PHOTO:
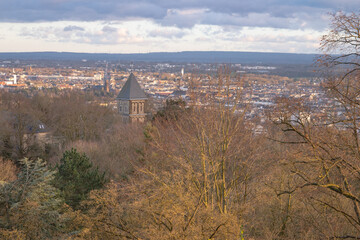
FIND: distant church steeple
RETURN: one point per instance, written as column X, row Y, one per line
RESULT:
column 106, row 79
column 131, row 101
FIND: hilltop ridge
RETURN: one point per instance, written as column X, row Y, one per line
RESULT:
column 186, row 56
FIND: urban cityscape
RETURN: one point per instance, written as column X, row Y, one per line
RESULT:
column 260, row 85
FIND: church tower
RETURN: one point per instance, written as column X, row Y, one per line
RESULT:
column 131, row 101
column 106, row 79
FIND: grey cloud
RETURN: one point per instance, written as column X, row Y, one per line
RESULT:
column 77, row 10
column 109, row 29
column 252, row 20
column 104, row 35
column 181, row 19
column 73, row 28
column 264, row 13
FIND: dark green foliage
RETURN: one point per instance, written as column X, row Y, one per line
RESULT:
column 7, row 148
column 76, row 177
column 172, row 110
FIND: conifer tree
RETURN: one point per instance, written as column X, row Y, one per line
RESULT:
column 31, row 208
column 76, row 177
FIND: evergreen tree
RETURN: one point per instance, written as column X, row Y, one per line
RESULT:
column 76, row 177
column 31, row 208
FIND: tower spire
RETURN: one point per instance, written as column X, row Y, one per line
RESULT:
column 131, row 101
column 106, row 79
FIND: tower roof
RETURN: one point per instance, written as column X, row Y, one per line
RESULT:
column 131, row 90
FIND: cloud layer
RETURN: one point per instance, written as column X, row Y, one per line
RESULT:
column 166, row 25
column 180, row 13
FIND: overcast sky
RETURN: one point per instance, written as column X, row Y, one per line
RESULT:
column 133, row 26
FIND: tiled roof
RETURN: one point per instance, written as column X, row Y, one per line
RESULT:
column 131, row 90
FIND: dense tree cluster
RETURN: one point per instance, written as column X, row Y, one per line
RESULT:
column 39, row 124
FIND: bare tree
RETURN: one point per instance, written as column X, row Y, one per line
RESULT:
column 326, row 169
column 193, row 181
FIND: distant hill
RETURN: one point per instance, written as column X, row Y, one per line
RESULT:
column 178, row 57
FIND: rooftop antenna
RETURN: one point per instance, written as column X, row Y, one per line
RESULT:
column 131, row 66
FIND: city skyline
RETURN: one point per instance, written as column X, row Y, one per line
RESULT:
column 166, row 26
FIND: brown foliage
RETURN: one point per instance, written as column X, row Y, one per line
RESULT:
column 153, row 210
column 67, row 116
column 116, row 151
column 7, row 171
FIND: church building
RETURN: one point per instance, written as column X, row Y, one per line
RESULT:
column 131, row 101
